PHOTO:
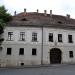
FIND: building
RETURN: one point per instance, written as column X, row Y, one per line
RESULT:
column 34, row 38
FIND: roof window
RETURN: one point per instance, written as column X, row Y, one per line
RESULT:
column 24, row 19
column 59, row 22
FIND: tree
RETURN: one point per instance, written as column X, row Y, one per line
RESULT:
column 4, row 18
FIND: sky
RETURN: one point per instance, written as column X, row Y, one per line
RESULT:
column 58, row 7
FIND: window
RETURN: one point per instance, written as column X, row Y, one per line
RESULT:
column 50, row 37
column 70, row 39
column 8, row 51
column 21, row 51
column 10, row 36
column 71, row 54
column 59, row 37
column 22, row 36
column 1, row 48
column 22, row 64
column 59, row 22
column 34, row 51
column 24, row 19
column 34, row 37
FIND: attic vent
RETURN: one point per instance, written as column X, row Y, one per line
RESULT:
column 24, row 19
column 59, row 22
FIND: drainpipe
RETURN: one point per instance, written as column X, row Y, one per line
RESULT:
column 42, row 48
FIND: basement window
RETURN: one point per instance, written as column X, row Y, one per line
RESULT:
column 22, row 64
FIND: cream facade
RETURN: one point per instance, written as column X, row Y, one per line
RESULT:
column 41, row 57
column 38, row 38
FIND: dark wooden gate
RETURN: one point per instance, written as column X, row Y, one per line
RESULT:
column 55, row 56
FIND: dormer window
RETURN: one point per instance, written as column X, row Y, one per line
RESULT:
column 24, row 19
column 59, row 22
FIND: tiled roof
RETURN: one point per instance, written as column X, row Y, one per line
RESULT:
column 40, row 19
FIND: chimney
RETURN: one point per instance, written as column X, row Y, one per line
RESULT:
column 68, row 16
column 37, row 11
column 24, row 10
column 50, row 12
column 45, row 12
column 15, row 13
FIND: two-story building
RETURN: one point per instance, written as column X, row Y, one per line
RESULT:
column 33, row 38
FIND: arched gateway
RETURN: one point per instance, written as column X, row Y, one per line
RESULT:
column 55, row 56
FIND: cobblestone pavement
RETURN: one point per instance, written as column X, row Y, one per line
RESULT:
column 44, row 70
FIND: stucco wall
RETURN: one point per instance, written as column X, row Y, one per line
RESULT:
column 64, row 46
column 28, row 59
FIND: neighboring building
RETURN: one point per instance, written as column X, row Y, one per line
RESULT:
column 38, row 38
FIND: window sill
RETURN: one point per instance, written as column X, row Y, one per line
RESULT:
column 34, row 41
column 22, row 40
column 70, row 42
column 8, row 55
column 71, row 57
column 9, row 40
column 21, row 55
column 34, row 55
column 60, row 42
column 50, row 41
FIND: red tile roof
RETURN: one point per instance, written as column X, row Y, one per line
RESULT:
column 39, row 19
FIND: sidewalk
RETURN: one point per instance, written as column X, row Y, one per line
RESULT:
column 39, row 66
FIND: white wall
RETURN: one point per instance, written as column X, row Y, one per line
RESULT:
column 64, row 46
column 15, row 59
column 28, row 34
column 27, row 58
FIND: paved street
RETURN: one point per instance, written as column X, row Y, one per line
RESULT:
column 46, row 70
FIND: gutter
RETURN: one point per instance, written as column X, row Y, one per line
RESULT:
column 42, row 47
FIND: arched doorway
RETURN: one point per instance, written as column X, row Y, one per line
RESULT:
column 55, row 56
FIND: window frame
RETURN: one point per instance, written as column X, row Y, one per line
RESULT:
column 10, row 36
column 9, row 51
column 21, row 51
column 50, row 37
column 59, row 37
column 71, row 54
column 34, row 51
column 70, row 39
column 34, row 37
column 22, row 36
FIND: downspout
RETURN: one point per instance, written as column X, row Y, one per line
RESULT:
column 42, row 48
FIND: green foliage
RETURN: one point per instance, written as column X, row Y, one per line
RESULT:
column 4, row 17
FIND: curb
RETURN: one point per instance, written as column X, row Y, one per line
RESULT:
column 37, row 66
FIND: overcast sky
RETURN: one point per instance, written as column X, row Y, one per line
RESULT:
column 59, row 7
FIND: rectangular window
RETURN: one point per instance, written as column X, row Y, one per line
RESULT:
column 1, row 48
column 34, row 51
column 10, row 36
column 34, row 37
column 71, row 54
column 22, row 36
column 8, row 51
column 70, row 39
column 21, row 51
column 50, row 37
column 59, row 37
